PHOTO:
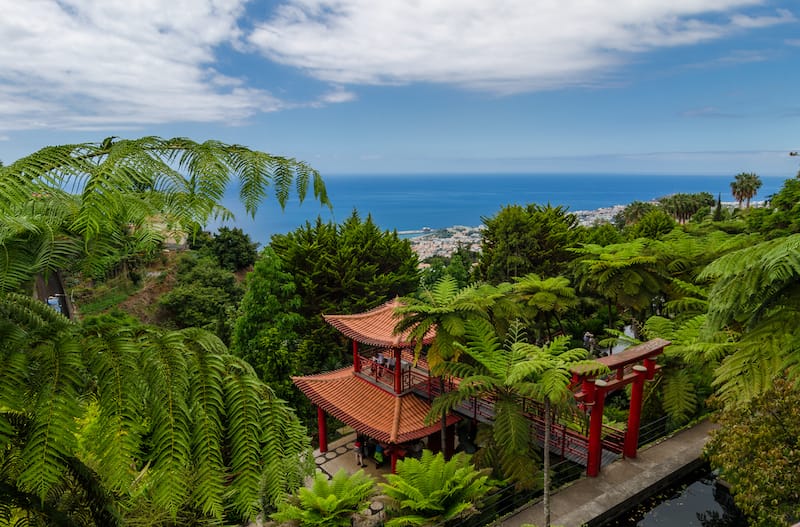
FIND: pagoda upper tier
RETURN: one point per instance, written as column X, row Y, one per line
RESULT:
column 376, row 327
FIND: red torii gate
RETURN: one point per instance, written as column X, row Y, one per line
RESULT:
column 624, row 369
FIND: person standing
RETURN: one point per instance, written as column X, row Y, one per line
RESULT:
column 359, row 446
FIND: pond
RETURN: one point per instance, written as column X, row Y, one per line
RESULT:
column 700, row 500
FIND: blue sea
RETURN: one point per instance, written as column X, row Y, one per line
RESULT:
column 412, row 202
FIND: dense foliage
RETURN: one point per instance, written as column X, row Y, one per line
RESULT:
column 320, row 268
column 107, row 421
column 520, row 240
column 758, row 449
column 333, row 502
column 233, row 248
column 102, row 207
column 432, row 490
column 204, row 296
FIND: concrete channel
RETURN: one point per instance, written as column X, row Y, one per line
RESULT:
column 591, row 502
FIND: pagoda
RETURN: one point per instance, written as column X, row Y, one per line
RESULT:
column 386, row 394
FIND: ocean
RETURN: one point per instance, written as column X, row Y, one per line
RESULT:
column 413, row 202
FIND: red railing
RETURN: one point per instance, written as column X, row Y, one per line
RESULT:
column 383, row 375
column 565, row 439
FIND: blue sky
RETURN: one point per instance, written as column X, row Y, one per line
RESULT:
column 366, row 86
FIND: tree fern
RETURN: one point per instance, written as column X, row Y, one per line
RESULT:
column 756, row 296
column 168, row 422
column 179, row 179
column 430, row 490
column 328, row 503
column 680, row 399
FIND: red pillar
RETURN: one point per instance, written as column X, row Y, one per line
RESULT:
column 393, row 457
column 596, row 429
column 650, row 364
column 635, row 413
column 323, row 430
column 356, row 358
column 398, row 379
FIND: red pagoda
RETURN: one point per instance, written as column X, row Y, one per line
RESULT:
column 386, row 394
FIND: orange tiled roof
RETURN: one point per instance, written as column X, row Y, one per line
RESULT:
column 375, row 327
column 377, row 413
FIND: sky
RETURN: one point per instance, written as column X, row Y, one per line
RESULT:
column 428, row 86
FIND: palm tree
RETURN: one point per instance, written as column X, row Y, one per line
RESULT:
column 745, row 186
column 328, row 503
column 636, row 211
column 432, row 491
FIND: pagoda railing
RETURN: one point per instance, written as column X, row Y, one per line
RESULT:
column 383, row 375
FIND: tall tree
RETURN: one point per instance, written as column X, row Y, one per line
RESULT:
column 635, row 211
column 444, row 308
column 745, row 186
column 509, row 372
column 624, row 274
column 521, row 240
column 268, row 330
column 683, row 206
column 338, row 268
column 543, row 301
column 551, row 366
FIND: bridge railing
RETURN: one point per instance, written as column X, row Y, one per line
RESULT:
column 653, row 430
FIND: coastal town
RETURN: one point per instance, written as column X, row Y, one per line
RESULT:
column 444, row 242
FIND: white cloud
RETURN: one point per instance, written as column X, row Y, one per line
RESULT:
column 122, row 64
column 503, row 46
column 338, row 95
column 81, row 64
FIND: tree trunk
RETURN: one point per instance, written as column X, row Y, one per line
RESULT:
column 546, row 476
column 444, row 421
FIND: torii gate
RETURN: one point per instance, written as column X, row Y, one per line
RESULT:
column 625, row 369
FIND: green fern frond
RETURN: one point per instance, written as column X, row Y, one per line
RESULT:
column 680, row 396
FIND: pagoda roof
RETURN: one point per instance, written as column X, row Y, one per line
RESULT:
column 376, row 327
column 381, row 415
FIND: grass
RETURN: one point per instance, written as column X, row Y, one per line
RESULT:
column 105, row 298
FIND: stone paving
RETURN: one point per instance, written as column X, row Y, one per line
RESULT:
column 341, row 455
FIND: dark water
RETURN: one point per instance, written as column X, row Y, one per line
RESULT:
column 698, row 501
